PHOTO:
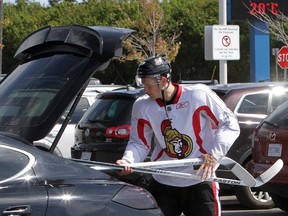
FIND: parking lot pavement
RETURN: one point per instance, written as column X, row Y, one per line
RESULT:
column 232, row 207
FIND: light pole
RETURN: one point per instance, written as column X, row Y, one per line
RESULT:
column 223, row 21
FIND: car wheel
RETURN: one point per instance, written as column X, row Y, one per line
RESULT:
column 280, row 202
column 254, row 199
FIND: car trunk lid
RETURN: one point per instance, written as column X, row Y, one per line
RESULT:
column 54, row 64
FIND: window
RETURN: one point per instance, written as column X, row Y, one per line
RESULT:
column 28, row 96
column 279, row 98
column 254, row 104
column 113, row 109
column 79, row 111
column 11, row 162
column 279, row 117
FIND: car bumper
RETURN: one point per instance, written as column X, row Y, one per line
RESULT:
column 104, row 152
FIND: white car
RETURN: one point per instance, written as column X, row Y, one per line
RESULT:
column 66, row 141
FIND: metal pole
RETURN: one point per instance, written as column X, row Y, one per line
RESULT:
column 276, row 68
column 223, row 21
column 275, row 53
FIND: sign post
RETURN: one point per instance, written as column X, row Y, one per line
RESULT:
column 223, row 73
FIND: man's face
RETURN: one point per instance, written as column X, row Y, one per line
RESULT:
column 151, row 87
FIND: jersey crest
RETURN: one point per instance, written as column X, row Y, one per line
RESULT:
column 177, row 145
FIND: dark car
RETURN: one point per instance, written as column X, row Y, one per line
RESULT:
column 104, row 130
column 54, row 64
column 251, row 102
column 270, row 142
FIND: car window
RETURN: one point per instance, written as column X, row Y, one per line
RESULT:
column 79, row 111
column 254, row 104
column 116, row 109
column 279, row 117
column 29, row 95
column 279, row 98
column 11, row 162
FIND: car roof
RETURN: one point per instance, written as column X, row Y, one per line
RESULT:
column 238, row 86
column 129, row 91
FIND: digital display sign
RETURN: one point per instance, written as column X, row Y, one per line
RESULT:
column 246, row 9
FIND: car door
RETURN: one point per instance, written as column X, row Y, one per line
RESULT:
column 19, row 192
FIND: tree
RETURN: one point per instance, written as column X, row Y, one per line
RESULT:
column 174, row 28
column 150, row 38
column 276, row 23
column 275, row 20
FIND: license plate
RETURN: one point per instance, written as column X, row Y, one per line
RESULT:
column 275, row 150
column 86, row 155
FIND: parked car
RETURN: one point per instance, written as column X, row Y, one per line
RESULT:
column 251, row 102
column 53, row 66
column 103, row 131
column 66, row 140
column 270, row 142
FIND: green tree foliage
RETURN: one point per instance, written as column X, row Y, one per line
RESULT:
column 165, row 25
column 21, row 19
column 194, row 16
column 151, row 37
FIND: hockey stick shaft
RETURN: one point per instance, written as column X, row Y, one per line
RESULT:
column 175, row 174
column 259, row 181
column 239, row 171
column 109, row 166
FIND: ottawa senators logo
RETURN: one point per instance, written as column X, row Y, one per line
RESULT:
column 177, row 145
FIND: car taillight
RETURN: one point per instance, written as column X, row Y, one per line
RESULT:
column 120, row 131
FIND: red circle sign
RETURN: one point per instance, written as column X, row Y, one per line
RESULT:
column 282, row 57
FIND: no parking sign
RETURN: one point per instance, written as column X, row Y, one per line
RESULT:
column 222, row 42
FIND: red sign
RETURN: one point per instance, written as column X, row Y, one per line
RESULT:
column 282, row 58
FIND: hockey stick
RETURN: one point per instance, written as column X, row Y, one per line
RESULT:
column 259, row 181
column 239, row 171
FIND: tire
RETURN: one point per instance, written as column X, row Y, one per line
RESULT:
column 280, row 202
column 253, row 199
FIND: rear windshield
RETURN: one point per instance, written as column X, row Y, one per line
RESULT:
column 79, row 111
column 34, row 88
column 279, row 117
column 110, row 109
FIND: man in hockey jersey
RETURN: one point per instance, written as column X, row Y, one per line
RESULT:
column 187, row 122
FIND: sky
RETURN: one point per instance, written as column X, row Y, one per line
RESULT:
column 42, row 2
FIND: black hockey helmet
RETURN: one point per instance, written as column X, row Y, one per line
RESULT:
column 154, row 66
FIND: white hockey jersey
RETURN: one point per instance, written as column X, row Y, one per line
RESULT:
column 196, row 122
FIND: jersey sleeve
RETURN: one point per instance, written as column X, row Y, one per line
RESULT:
column 224, row 123
column 141, row 134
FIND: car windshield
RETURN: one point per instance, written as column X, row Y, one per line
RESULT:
column 110, row 109
column 279, row 117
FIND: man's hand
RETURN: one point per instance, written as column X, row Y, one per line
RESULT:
column 208, row 166
column 126, row 169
